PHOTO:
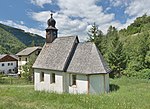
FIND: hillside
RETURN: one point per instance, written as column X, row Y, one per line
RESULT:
column 9, row 43
column 140, row 25
column 127, row 51
column 12, row 40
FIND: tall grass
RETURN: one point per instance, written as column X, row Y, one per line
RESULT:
column 12, row 80
column 126, row 93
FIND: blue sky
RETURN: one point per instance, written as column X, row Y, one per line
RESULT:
column 74, row 17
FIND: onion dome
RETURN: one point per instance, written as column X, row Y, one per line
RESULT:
column 51, row 21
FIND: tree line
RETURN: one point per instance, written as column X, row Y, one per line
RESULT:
column 127, row 51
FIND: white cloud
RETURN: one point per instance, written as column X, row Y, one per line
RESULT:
column 86, row 9
column 128, row 22
column 107, row 9
column 26, row 29
column 76, row 16
column 138, row 8
column 41, row 16
column 41, row 2
column 21, row 22
column 84, row 12
column 117, row 3
column 65, row 25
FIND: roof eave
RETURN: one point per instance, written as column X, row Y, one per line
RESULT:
column 47, row 69
column 89, row 73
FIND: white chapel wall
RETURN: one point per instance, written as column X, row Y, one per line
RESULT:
column 96, row 84
column 107, row 82
column 81, row 84
column 46, row 85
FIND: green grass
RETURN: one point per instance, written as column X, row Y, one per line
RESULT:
column 127, row 94
column 12, row 80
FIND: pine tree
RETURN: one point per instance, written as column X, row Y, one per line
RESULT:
column 116, row 57
column 96, row 36
column 112, row 31
column 94, row 33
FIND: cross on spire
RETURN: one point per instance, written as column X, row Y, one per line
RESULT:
column 51, row 14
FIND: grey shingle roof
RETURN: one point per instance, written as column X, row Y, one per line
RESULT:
column 27, row 51
column 87, row 60
column 64, row 54
column 55, row 55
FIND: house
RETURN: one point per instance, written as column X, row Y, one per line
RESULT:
column 66, row 65
column 8, row 64
column 25, row 55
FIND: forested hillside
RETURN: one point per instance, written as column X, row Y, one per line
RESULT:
column 8, row 43
column 127, row 51
column 12, row 40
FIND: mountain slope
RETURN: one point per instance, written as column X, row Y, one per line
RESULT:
column 26, row 38
column 8, row 43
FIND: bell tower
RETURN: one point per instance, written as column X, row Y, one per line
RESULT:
column 51, row 30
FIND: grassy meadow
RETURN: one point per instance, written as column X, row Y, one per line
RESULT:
column 126, row 93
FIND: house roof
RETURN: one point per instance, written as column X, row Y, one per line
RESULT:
column 2, row 55
column 7, row 57
column 14, row 56
column 55, row 55
column 28, row 51
column 87, row 60
column 68, row 55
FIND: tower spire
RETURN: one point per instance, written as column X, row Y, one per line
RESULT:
column 51, row 15
column 51, row 30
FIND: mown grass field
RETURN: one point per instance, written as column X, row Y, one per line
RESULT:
column 126, row 93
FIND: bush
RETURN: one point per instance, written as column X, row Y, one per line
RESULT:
column 129, row 73
column 142, row 74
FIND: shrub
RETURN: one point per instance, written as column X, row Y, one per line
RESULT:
column 142, row 74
